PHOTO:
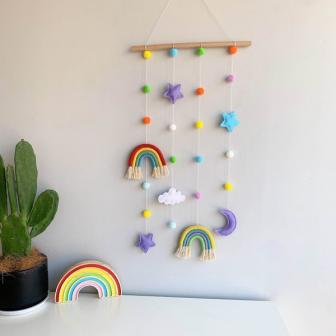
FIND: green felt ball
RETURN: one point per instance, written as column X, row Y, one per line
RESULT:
column 146, row 88
column 200, row 51
column 172, row 159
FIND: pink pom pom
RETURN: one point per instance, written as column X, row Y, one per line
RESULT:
column 230, row 78
column 197, row 195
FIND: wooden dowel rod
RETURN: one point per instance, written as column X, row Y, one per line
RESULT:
column 190, row 45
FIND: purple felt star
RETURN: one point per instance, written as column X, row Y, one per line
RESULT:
column 173, row 92
column 145, row 241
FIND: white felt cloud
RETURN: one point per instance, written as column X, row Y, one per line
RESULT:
column 171, row 197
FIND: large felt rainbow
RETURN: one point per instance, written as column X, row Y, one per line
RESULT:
column 198, row 232
column 88, row 274
column 156, row 158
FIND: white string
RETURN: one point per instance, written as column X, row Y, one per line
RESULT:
column 198, row 145
column 228, row 174
column 157, row 21
column 146, row 139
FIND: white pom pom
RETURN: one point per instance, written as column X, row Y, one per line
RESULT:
column 229, row 154
column 172, row 127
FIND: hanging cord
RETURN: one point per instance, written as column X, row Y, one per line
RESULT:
column 147, row 113
column 198, row 145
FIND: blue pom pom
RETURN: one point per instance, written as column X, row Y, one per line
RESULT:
column 199, row 158
column 172, row 225
column 145, row 185
column 173, row 52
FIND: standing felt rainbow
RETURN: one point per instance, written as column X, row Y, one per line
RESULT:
column 88, row 274
column 200, row 233
column 158, row 162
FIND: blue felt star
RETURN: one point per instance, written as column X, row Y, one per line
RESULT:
column 173, row 92
column 230, row 121
column 145, row 242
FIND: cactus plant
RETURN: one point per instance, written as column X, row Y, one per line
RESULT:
column 22, row 215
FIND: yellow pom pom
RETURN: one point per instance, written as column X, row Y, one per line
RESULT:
column 228, row 186
column 147, row 54
column 147, row 213
column 199, row 124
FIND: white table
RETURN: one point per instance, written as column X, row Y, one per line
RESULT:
column 148, row 316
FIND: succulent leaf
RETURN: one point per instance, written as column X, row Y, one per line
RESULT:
column 43, row 212
column 26, row 176
column 3, row 191
column 15, row 237
column 11, row 187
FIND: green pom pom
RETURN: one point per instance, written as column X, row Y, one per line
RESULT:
column 200, row 51
column 146, row 88
column 172, row 159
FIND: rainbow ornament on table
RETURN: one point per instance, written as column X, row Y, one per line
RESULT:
column 157, row 160
column 205, row 237
column 88, row 274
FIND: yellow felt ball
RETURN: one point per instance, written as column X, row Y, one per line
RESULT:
column 199, row 124
column 228, row 186
column 147, row 54
column 147, row 213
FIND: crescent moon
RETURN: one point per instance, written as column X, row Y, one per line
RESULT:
column 230, row 222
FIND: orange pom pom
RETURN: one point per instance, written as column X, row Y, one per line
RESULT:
column 199, row 91
column 146, row 120
column 232, row 49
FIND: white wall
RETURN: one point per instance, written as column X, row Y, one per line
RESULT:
column 69, row 85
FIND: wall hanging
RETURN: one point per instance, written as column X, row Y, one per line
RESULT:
column 173, row 94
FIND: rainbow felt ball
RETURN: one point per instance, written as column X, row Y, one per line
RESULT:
column 146, row 120
column 147, row 54
column 197, row 195
column 172, row 159
column 172, row 127
column 147, row 213
column 230, row 78
column 171, row 225
column 198, row 158
column 199, row 124
column 146, row 88
column 145, row 185
column 199, row 91
column 232, row 49
column 200, row 51
column 173, row 52
column 228, row 186
column 229, row 154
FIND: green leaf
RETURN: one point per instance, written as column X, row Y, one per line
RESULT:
column 15, row 238
column 3, row 191
column 43, row 212
column 11, row 187
column 26, row 176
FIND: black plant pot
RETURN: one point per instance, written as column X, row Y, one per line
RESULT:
column 24, row 289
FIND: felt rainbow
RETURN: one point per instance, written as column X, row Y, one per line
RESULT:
column 88, row 274
column 155, row 157
column 198, row 232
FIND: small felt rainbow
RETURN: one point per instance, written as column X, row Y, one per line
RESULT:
column 88, row 274
column 156, row 158
column 198, row 232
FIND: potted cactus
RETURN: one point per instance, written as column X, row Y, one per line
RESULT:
column 23, row 270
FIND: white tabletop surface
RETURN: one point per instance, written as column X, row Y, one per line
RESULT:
column 148, row 316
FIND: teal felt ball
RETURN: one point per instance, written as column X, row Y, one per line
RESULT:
column 199, row 158
column 173, row 52
column 145, row 185
column 171, row 225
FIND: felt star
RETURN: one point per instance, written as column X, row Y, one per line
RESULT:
column 145, row 242
column 230, row 121
column 173, row 92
